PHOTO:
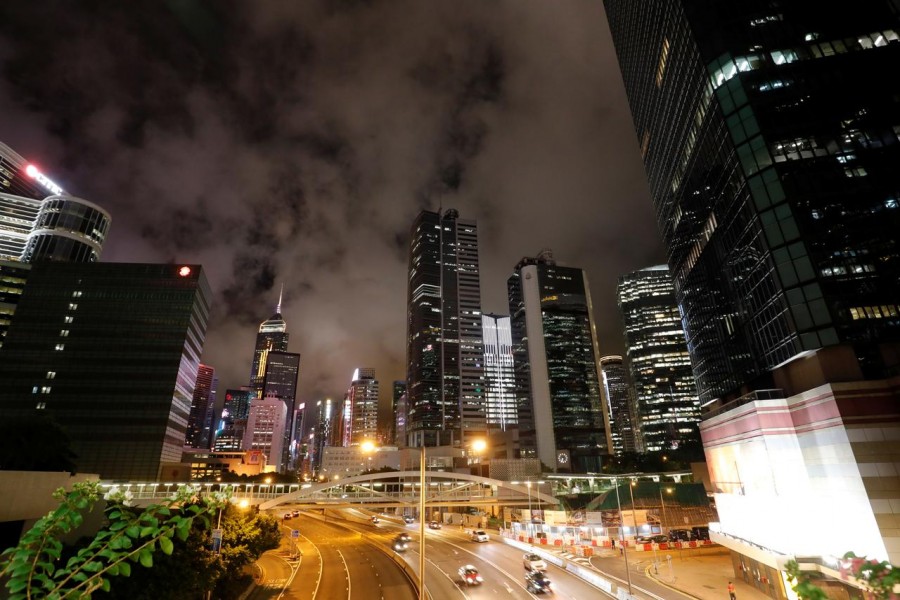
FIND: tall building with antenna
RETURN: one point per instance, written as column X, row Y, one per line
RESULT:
column 272, row 337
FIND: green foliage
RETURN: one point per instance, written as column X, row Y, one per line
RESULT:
column 878, row 577
column 35, row 569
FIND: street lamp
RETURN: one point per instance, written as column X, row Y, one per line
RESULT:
column 622, row 544
column 663, row 504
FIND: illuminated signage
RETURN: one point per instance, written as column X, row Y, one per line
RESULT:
column 32, row 171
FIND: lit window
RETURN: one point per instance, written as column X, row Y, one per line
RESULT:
column 45, row 389
column 60, row 347
column 41, row 405
column 68, row 319
column 76, row 294
column 51, row 374
column 63, row 333
column 663, row 59
column 73, row 306
column 782, row 57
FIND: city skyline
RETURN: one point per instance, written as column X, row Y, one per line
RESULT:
column 451, row 116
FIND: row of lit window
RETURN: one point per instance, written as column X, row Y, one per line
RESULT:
column 874, row 312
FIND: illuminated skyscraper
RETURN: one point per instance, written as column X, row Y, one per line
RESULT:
column 667, row 404
column 200, row 427
column 111, row 351
column 563, row 419
column 266, row 423
column 400, row 413
column 622, row 411
column 39, row 221
column 445, row 374
column 499, row 374
column 272, row 337
column 280, row 381
column 362, row 408
column 230, row 432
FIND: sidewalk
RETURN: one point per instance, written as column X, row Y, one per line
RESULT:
column 704, row 577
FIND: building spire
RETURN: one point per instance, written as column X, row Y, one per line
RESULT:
column 280, row 294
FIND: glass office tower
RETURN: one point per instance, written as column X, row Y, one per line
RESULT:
column 667, row 405
column 499, row 373
column 111, row 351
column 770, row 137
column 200, row 428
column 280, row 381
column 445, row 373
column 271, row 337
column 563, row 419
column 623, row 418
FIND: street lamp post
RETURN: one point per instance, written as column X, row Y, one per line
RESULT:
column 662, row 502
column 422, row 521
column 529, row 522
column 622, row 544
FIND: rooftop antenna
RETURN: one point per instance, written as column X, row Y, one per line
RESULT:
column 280, row 294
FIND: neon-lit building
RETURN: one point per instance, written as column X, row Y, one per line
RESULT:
column 499, row 374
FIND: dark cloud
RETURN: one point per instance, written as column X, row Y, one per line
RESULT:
column 293, row 143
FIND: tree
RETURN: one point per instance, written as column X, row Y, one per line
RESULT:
column 35, row 569
column 35, row 442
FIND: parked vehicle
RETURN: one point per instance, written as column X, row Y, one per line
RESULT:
column 469, row 575
column 680, row 535
column 537, row 582
column 480, row 536
column 652, row 539
column 533, row 562
column 700, row 533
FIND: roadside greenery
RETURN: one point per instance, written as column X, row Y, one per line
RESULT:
column 35, row 568
column 880, row 578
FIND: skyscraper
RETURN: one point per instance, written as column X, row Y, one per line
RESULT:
column 622, row 411
column 499, row 374
column 280, row 381
column 769, row 136
column 398, row 418
column 362, row 403
column 272, row 337
column 111, row 351
column 667, row 404
column 39, row 221
column 200, row 427
column 563, row 419
column 444, row 346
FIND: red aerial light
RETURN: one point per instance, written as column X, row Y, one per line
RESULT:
column 31, row 171
column 184, row 271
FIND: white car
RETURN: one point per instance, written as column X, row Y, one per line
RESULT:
column 479, row 536
column 533, row 562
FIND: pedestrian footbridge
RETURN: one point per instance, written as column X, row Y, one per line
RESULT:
column 375, row 490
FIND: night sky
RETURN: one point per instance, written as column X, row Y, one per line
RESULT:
column 295, row 142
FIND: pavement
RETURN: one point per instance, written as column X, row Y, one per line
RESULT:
column 704, row 577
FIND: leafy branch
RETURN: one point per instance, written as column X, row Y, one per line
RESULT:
column 878, row 578
column 33, row 566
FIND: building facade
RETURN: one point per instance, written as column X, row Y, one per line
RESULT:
column 444, row 347
column 266, row 423
column 769, row 135
column 201, row 421
column 563, row 418
column 233, row 423
column 111, row 352
column 499, row 373
column 623, row 420
column 362, row 408
column 667, row 405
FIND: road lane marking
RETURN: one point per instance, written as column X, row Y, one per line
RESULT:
column 347, row 569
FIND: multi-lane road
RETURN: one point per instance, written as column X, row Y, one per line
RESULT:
column 350, row 557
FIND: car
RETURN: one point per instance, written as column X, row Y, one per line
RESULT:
column 680, row 535
column 408, row 520
column 700, row 533
column 404, row 536
column 287, row 516
column 434, row 525
column 651, row 539
column 469, row 575
column 295, row 513
column 480, row 536
column 533, row 562
column 537, row 582
column 400, row 543
column 375, row 519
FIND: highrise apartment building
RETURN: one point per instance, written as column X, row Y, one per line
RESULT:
column 563, row 419
column 271, row 337
column 499, row 375
column 667, row 405
column 111, row 352
column 266, row 423
column 201, row 424
column 623, row 421
column 445, row 374
column 770, row 138
column 233, row 423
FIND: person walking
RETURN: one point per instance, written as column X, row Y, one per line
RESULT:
column 731, row 595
